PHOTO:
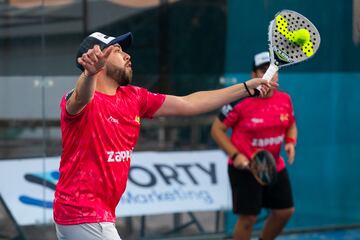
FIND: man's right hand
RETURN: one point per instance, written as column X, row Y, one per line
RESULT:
column 265, row 85
column 94, row 59
column 241, row 161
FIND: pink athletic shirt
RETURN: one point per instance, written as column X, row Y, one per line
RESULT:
column 259, row 123
column 97, row 146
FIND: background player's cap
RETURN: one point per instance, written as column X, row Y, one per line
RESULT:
column 261, row 59
column 103, row 41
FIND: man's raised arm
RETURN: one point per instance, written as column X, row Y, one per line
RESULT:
column 92, row 61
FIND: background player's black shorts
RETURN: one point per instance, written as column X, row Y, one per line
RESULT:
column 248, row 196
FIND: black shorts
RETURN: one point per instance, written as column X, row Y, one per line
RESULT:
column 248, row 196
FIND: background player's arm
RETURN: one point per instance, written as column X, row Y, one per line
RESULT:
column 290, row 141
column 218, row 132
column 206, row 101
column 92, row 61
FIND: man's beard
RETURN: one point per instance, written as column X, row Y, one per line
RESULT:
column 120, row 75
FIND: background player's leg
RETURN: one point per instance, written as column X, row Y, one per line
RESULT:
column 276, row 222
column 244, row 226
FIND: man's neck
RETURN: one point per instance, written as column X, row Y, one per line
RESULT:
column 106, row 84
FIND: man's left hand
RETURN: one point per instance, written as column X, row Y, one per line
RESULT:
column 290, row 152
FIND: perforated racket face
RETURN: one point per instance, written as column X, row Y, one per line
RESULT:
column 263, row 167
column 283, row 50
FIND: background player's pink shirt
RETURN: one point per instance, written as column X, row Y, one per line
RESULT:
column 260, row 123
column 97, row 147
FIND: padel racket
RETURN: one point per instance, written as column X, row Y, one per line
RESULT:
column 292, row 39
column 263, row 167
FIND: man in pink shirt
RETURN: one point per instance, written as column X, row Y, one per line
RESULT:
column 258, row 123
column 100, row 124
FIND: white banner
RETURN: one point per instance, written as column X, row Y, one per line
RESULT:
column 159, row 183
column 176, row 182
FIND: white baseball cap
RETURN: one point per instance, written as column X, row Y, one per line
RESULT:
column 261, row 59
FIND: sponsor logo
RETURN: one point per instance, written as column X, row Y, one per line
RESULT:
column 113, row 120
column 257, row 120
column 263, row 142
column 226, row 109
column 284, row 117
column 119, row 156
column 281, row 55
column 137, row 119
column 102, row 37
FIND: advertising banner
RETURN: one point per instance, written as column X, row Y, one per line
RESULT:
column 159, row 183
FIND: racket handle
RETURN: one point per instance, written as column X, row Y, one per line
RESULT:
column 270, row 72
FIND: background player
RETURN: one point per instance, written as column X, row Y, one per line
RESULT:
column 258, row 123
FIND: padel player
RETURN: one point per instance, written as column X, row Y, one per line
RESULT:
column 100, row 124
column 258, row 123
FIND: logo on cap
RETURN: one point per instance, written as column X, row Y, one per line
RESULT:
column 102, row 37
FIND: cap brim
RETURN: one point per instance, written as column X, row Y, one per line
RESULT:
column 124, row 40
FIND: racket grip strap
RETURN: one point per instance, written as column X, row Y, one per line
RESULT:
column 270, row 72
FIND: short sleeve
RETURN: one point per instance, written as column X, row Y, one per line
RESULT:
column 292, row 119
column 150, row 103
column 64, row 113
column 229, row 115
